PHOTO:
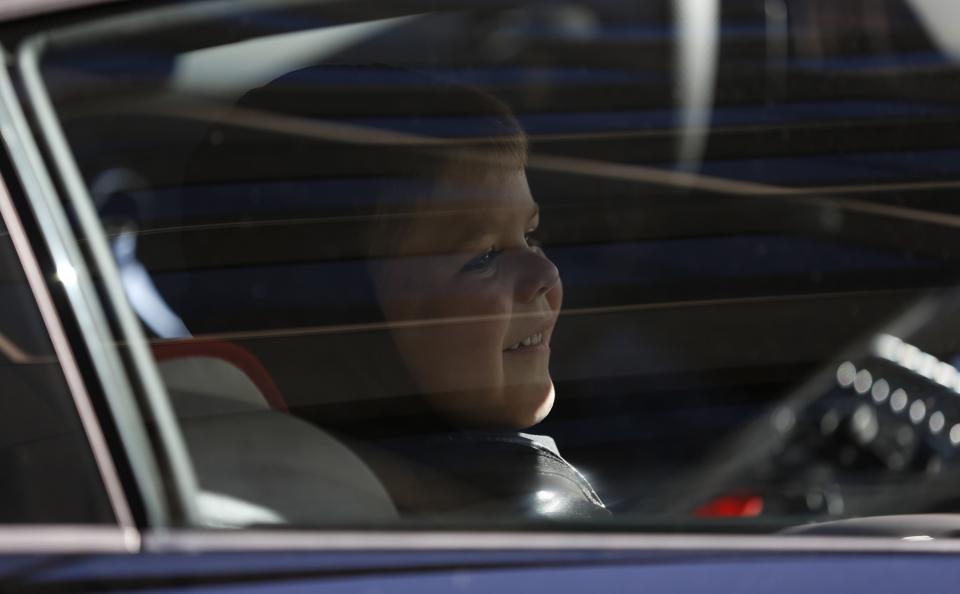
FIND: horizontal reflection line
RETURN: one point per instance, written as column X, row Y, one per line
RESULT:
column 304, row 221
column 811, row 195
column 352, row 133
column 569, row 312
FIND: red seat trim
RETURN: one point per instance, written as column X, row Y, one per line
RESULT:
column 230, row 352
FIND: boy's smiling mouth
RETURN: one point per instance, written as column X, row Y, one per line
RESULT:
column 537, row 340
column 534, row 340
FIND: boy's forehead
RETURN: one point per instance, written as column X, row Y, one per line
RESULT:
column 462, row 213
column 462, row 188
column 437, row 229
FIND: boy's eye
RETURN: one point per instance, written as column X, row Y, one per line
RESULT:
column 483, row 261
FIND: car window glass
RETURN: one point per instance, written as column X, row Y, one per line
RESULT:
column 49, row 475
column 590, row 261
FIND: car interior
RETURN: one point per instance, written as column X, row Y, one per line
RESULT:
column 737, row 227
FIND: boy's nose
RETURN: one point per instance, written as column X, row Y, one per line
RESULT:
column 536, row 275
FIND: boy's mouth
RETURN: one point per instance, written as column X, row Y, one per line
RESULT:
column 532, row 341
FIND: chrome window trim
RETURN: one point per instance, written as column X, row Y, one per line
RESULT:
column 81, row 294
column 66, row 539
column 14, row 9
column 71, row 372
column 265, row 540
column 182, row 479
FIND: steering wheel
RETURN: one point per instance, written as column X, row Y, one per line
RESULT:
column 875, row 432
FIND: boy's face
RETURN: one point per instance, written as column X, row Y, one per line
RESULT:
column 472, row 304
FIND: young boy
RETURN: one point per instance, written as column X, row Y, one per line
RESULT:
column 466, row 298
column 470, row 299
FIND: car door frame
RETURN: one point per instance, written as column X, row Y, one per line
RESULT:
column 46, row 179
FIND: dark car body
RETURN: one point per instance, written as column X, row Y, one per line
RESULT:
column 505, row 571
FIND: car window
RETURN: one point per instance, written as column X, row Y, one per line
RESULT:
column 49, row 474
column 601, row 262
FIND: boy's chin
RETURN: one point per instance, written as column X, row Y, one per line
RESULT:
column 525, row 405
column 507, row 408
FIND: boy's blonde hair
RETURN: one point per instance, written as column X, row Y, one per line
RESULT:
column 442, row 131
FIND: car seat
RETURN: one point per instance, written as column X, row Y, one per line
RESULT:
column 255, row 463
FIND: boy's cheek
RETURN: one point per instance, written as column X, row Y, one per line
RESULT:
column 424, row 298
column 459, row 349
column 486, row 305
